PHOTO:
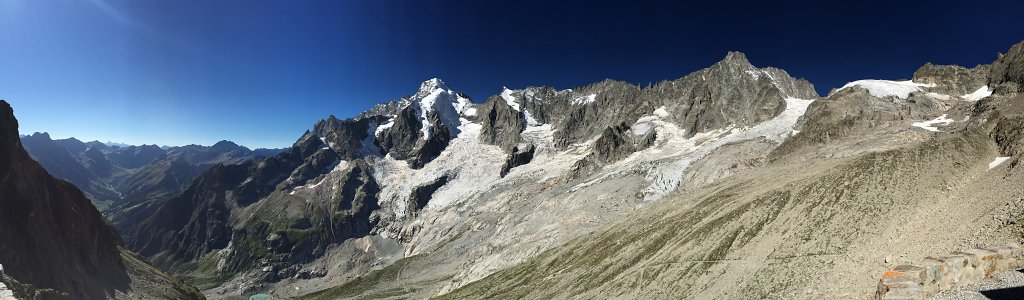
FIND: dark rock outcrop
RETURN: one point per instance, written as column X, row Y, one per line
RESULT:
column 953, row 79
column 346, row 137
column 405, row 139
column 501, row 124
column 615, row 143
column 421, row 195
column 432, row 146
column 401, row 139
column 1008, row 70
column 520, row 155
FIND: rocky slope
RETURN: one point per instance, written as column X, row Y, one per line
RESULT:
column 119, row 178
column 56, row 245
column 458, row 190
column 881, row 173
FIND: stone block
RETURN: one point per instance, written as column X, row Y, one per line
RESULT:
column 984, row 261
column 903, row 282
column 934, row 269
column 1013, row 255
column 938, row 274
column 918, row 274
column 934, row 272
column 954, row 266
column 1004, row 257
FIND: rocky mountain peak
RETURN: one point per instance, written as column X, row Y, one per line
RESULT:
column 429, row 86
column 225, row 145
column 436, row 98
column 735, row 58
column 8, row 133
column 1008, row 70
column 41, row 135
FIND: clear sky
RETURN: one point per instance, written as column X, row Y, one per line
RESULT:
column 261, row 72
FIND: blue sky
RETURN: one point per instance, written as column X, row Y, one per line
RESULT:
column 261, row 72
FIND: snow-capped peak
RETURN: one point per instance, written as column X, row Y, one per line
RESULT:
column 429, row 86
column 434, row 95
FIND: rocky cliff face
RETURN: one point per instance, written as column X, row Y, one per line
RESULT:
column 1008, row 70
column 501, row 123
column 953, row 80
column 55, row 243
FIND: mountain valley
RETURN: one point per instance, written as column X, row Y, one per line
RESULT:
column 731, row 182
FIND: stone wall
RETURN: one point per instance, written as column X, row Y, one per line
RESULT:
column 924, row 280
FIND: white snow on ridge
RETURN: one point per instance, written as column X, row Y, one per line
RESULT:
column 754, row 73
column 462, row 104
column 998, row 161
column 327, row 145
column 584, row 99
column 666, row 178
column 930, row 124
column 530, row 121
column 369, row 147
column 886, row 88
column 667, row 161
column 981, row 93
column 446, row 104
column 661, row 112
column 337, row 166
column 511, row 100
column 644, row 125
column 384, row 126
column 938, row 96
column 469, row 164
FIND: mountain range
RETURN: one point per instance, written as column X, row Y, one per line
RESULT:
column 731, row 182
column 121, row 177
column 56, row 245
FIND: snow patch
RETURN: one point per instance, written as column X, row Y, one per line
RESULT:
column 538, row 128
column 384, row 126
column 930, row 124
column 461, row 103
column 327, row 145
column 886, row 88
column 584, row 99
column 754, row 73
column 511, row 100
column 334, row 167
column 981, row 93
column 661, row 112
column 939, row 96
column 530, row 121
column 369, row 143
column 644, row 125
column 998, row 161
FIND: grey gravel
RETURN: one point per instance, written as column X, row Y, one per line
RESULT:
column 1002, row 280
